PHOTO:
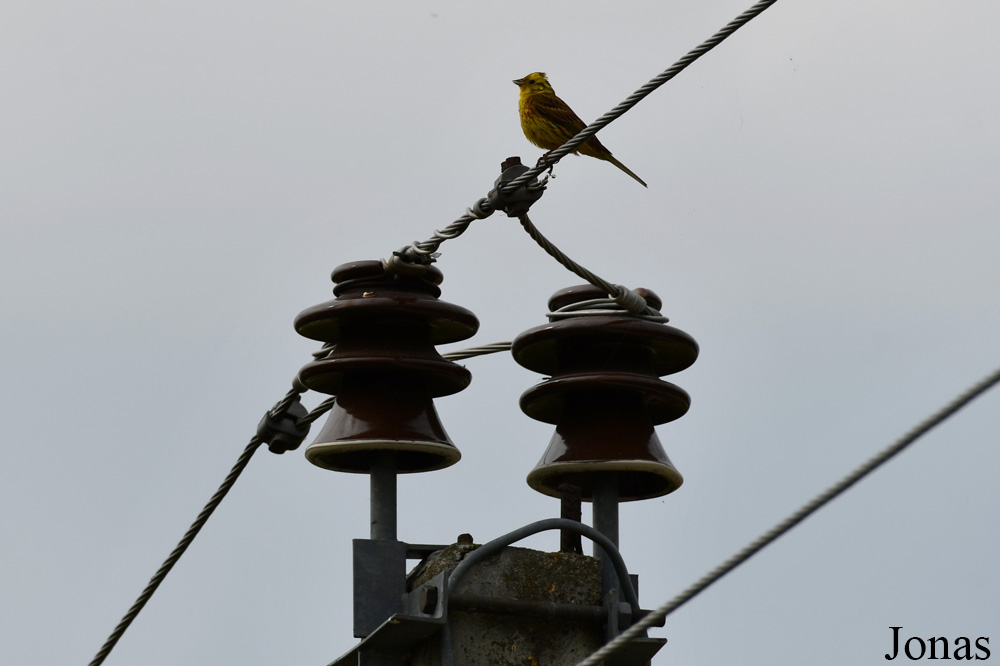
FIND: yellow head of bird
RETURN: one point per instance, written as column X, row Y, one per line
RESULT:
column 534, row 83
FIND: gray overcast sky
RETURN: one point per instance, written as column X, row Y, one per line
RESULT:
column 178, row 179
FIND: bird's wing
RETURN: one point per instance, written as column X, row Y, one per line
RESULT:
column 559, row 113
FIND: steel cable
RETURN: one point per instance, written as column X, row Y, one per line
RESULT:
column 275, row 412
column 621, row 295
column 175, row 555
column 424, row 252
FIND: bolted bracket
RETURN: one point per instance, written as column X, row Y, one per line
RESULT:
column 519, row 201
column 284, row 433
column 379, row 583
column 429, row 599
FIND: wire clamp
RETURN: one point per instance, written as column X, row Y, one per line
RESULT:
column 518, row 202
column 283, row 432
column 410, row 261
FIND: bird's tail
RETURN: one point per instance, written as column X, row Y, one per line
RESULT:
column 624, row 168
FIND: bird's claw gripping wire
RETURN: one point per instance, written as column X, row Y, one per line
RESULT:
column 517, row 202
column 544, row 163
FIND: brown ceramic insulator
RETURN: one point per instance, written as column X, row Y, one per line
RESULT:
column 548, row 402
column 602, row 432
column 384, row 368
column 381, row 296
column 604, row 397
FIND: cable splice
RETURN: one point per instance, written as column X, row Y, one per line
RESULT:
column 425, row 252
column 284, row 432
column 602, row 306
column 514, row 202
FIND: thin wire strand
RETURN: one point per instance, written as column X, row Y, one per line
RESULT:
column 781, row 528
column 596, row 306
column 636, row 97
column 174, row 556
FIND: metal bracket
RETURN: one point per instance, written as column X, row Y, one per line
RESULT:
column 429, row 600
column 285, row 433
column 379, row 583
column 519, row 201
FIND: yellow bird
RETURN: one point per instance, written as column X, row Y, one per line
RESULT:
column 548, row 122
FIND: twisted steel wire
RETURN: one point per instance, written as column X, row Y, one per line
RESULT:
column 424, row 252
column 597, row 306
column 621, row 295
column 317, row 411
column 276, row 412
column 175, row 555
column 291, row 396
column 636, row 97
column 480, row 350
column 637, row 629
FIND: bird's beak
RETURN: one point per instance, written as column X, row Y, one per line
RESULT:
column 519, row 82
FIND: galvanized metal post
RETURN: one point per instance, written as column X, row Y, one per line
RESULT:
column 605, row 507
column 383, row 496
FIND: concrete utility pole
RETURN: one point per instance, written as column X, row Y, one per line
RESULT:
column 494, row 604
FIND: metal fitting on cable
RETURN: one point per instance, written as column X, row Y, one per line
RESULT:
column 633, row 301
column 283, row 432
column 482, row 209
column 407, row 263
column 519, row 201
